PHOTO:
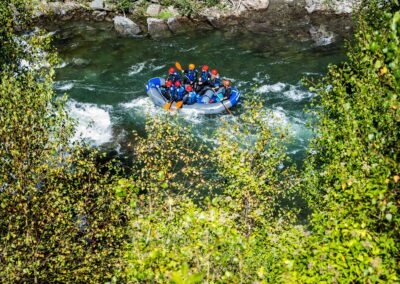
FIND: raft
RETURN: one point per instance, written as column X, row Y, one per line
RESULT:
column 154, row 92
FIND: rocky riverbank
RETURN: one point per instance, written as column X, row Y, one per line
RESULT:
column 300, row 19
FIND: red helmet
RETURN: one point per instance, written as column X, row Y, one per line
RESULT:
column 214, row 72
column 189, row 88
column 171, row 70
column 205, row 68
column 177, row 84
column 168, row 84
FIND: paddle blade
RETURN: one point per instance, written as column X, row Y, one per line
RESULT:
column 178, row 66
column 179, row 104
column 167, row 106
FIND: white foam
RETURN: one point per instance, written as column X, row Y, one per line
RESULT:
column 94, row 122
column 192, row 115
column 275, row 88
column 297, row 94
column 261, row 77
column 155, row 68
column 136, row 69
column 65, row 87
column 143, row 103
column 80, row 61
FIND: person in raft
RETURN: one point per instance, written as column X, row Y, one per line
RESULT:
column 168, row 90
column 179, row 92
column 209, row 92
column 215, row 81
column 203, row 80
column 225, row 92
column 190, row 75
column 190, row 97
column 173, row 75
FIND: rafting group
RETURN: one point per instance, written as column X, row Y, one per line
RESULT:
column 192, row 86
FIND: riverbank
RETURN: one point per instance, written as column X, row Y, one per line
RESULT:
column 299, row 19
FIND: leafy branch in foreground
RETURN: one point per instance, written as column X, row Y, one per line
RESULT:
column 352, row 179
column 60, row 219
column 227, row 235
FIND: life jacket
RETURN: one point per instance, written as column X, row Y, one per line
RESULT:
column 173, row 77
column 179, row 93
column 191, row 75
column 205, row 77
column 192, row 97
column 216, row 82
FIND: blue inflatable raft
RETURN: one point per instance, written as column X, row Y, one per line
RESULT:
column 154, row 92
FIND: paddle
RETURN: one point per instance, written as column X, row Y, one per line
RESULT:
column 179, row 104
column 227, row 109
column 178, row 66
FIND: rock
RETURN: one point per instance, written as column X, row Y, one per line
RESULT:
column 321, row 36
column 97, row 5
column 126, row 27
column 180, row 24
column 157, row 27
column 153, row 10
column 99, row 15
column 255, row 4
column 336, row 6
column 61, row 9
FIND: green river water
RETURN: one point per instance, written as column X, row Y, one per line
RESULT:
column 105, row 77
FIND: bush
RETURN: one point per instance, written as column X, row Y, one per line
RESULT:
column 352, row 179
column 60, row 218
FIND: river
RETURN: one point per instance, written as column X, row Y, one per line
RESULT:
column 105, row 75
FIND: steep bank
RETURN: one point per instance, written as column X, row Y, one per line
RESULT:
column 299, row 19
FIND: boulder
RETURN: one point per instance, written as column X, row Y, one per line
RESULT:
column 157, row 27
column 97, row 5
column 255, row 4
column 126, row 27
column 321, row 36
column 99, row 15
column 336, row 6
column 153, row 10
column 61, row 9
column 180, row 24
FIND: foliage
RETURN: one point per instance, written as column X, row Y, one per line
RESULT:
column 252, row 164
column 226, row 236
column 352, row 179
column 122, row 5
column 190, row 213
column 60, row 219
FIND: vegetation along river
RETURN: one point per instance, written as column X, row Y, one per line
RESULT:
column 105, row 77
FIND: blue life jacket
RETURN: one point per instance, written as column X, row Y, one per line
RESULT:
column 174, row 77
column 192, row 97
column 180, row 93
column 215, row 82
column 205, row 76
column 191, row 75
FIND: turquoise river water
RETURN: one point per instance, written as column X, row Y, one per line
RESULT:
column 105, row 78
